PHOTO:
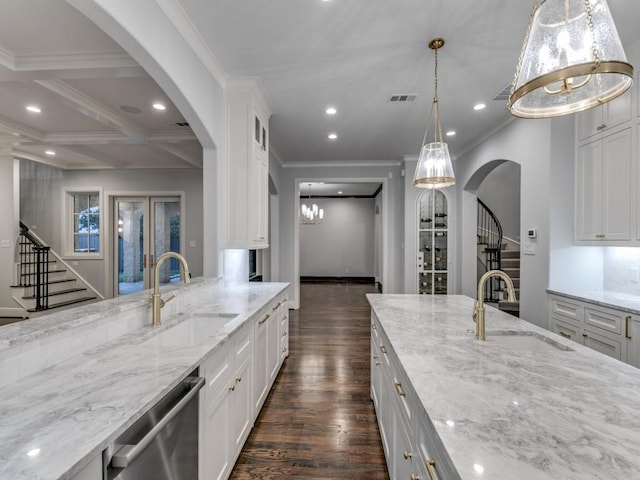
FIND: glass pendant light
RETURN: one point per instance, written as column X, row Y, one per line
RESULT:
column 311, row 214
column 434, row 168
column 571, row 60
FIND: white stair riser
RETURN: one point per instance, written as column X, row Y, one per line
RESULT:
column 57, row 298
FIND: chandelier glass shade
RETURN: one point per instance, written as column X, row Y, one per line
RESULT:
column 434, row 168
column 310, row 213
column 571, row 60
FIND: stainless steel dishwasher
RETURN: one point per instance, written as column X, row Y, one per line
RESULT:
column 162, row 444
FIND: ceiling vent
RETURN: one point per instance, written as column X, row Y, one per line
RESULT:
column 402, row 97
column 178, row 124
column 503, row 95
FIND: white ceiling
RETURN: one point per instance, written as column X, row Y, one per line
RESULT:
column 350, row 54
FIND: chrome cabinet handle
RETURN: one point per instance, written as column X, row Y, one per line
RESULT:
column 627, row 320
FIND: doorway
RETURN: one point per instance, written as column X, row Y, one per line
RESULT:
column 145, row 227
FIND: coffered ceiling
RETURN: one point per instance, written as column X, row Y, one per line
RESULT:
column 95, row 101
column 353, row 55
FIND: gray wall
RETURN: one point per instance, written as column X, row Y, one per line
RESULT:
column 343, row 244
column 500, row 191
column 393, row 218
column 41, row 204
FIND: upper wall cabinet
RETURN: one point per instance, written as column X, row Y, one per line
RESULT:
column 604, row 189
column 248, row 166
column 605, row 118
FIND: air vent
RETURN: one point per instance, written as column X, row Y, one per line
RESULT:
column 503, row 95
column 403, row 97
column 178, row 124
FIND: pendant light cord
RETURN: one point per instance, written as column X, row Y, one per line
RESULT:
column 435, row 110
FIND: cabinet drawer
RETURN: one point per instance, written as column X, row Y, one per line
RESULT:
column 602, row 344
column 566, row 329
column 217, row 371
column 571, row 311
column 606, row 320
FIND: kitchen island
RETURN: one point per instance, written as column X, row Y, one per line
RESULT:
column 104, row 371
column 524, row 404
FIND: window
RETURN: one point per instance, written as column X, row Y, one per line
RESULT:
column 85, row 223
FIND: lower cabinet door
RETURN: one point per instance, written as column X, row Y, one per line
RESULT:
column 215, row 454
column 241, row 407
column 632, row 334
column 261, row 370
column 403, row 451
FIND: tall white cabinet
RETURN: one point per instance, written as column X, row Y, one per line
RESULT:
column 247, row 166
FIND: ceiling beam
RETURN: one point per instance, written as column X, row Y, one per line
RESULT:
column 93, row 109
column 180, row 154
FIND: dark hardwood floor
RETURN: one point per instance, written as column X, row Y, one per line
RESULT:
column 318, row 421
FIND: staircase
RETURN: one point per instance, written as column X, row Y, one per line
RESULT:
column 511, row 266
column 494, row 253
column 43, row 281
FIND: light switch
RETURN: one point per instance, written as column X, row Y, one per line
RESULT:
column 5, row 243
column 192, row 244
column 529, row 248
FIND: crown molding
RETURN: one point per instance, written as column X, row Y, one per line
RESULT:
column 179, row 18
column 73, row 61
column 356, row 163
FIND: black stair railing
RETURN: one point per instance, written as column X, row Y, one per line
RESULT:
column 490, row 235
column 34, row 267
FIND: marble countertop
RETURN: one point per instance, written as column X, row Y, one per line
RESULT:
column 517, row 414
column 70, row 411
column 621, row 301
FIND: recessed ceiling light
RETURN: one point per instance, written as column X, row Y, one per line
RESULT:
column 451, row 133
column 340, row 193
column 159, row 106
column 479, row 106
column 331, row 111
column 34, row 109
column 51, row 153
column 333, row 136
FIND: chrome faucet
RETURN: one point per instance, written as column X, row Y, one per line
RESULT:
column 158, row 302
column 478, row 307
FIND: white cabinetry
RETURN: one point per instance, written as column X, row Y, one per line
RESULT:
column 237, row 373
column 606, row 117
column 604, row 189
column 603, row 329
column 247, row 166
column 411, row 445
column 267, row 349
column 93, row 471
column 632, row 337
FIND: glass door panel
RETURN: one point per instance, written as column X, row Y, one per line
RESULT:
column 433, row 258
column 166, row 236
column 131, row 255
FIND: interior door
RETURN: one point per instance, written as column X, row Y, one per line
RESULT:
column 145, row 228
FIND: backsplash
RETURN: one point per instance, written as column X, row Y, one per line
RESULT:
column 622, row 270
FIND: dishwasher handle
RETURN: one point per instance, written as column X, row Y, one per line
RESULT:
column 128, row 453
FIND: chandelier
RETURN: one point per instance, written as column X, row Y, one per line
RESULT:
column 310, row 214
column 571, row 60
column 434, row 168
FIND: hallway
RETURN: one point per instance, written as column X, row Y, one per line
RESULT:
column 318, row 421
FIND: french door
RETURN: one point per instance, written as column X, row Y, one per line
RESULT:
column 145, row 228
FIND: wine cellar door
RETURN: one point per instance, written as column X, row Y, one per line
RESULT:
column 433, row 237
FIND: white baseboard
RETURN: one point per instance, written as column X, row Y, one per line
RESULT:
column 13, row 312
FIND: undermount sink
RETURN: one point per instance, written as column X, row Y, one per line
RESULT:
column 195, row 330
column 525, row 341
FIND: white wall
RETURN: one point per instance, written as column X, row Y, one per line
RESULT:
column 500, row 191
column 528, row 143
column 343, row 244
column 377, row 238
column 42, row 194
